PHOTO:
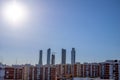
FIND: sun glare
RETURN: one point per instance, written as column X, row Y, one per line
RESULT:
column 14, row 13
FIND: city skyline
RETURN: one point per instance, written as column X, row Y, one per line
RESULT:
column 91, row 27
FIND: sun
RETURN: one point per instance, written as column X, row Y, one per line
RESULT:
column 14, row 13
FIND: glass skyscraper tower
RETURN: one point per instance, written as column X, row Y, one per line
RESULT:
column 63, row 56
column 73, row 56
column 40, row 57
column 48, row 56
column 53, row 59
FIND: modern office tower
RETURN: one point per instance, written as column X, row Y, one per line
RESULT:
column 53, row 59
column 73, row 56
column 48, row 56
column 63, row 56
column 40, row 57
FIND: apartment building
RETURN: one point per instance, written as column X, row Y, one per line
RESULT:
column 13, row 72
column 2, row 71
column 110, row 70
column 53, row 73
column 29, row 72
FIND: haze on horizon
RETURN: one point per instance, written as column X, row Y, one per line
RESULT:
column 92, row 27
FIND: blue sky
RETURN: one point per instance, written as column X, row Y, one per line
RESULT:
column 91, row 26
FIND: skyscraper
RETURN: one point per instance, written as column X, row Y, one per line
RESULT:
column 40, row 57
column 63, row 56
column 53, row 59
column 48, row 56
column 73, row 56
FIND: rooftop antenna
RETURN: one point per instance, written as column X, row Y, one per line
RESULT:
column 1, row 59
column 54, row 53
column 27, row 61
column 16, row 61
